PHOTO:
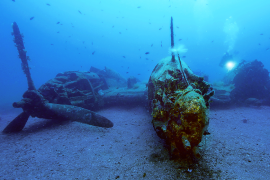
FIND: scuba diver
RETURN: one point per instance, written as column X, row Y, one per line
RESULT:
column 225, row 58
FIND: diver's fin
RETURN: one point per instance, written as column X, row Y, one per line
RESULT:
column 17, row 124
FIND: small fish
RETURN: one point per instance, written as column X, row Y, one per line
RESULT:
column 159, row 28
column 80, row 12
column 58, row 22
column 93, row 52
column 139, row 7
column 92, row 43
column 146, row 58
column 120, row 33
column 267, row 49
column 58, row 32
column 179, row 39
column 139, row 74
column 147, row 53
column 48, row 4
column 151, row 45
column 51, row 44
column 83, row 42
column 140, row 57
column 177, row 27
column 124, row 56
column 112, row 26
column 13, row 0
column 212, row 41
column 184, row 56
column 127, row 72
column 161, row 44
column 128, row 67
column 261, row 34
column 259, row 44
column 31, row 18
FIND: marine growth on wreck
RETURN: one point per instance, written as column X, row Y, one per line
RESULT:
column 179, row 106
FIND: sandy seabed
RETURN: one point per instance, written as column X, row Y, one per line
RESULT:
column 237, row 148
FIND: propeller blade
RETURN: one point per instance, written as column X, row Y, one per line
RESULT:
column 17, row 124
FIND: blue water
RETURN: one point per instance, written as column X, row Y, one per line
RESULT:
column 116, row 28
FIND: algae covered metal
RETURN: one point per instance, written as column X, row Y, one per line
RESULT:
column 179, row 101
column 35, row 105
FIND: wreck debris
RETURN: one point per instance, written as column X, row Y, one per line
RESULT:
column 179, row 101
column 180, row 113
column 34, row 104
column 18, row 40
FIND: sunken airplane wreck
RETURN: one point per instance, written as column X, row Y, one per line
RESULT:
column 179, row 100
column 35, row 105
column 74, row 95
